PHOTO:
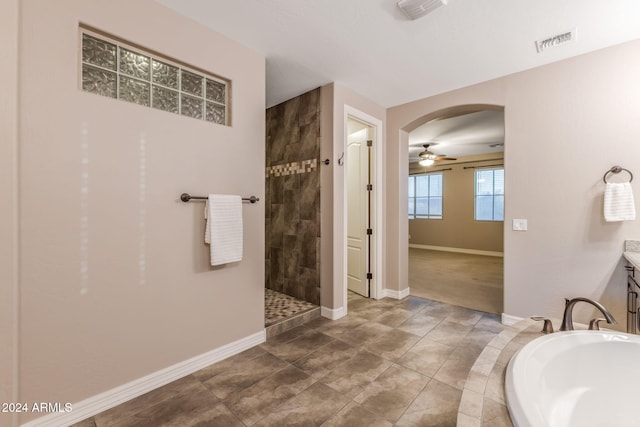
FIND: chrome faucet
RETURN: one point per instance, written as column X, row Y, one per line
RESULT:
column 567, row 317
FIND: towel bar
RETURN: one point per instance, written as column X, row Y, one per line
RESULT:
column 617, row 169
column 185, row 197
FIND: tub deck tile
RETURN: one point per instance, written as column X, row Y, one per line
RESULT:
column 483, row 401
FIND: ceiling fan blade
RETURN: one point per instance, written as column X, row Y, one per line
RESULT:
column 446, row 158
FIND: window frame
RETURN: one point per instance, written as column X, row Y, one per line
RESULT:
column 426, row 215
column 155, row 57
column 493, row 194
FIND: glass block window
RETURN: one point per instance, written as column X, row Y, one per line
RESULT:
column 114, row 69
column 489, row 195
column 425, row 196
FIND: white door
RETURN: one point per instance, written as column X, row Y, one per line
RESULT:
column 358, row 206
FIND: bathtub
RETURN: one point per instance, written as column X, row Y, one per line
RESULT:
column 575, row 378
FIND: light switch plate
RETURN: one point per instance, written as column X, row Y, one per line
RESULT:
column 520, row 225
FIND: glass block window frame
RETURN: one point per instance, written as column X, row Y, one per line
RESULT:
column 113, row 68
column 489, row 194
column 426, row 196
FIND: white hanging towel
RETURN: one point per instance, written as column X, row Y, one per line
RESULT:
column 223, row 232
column 618, row 202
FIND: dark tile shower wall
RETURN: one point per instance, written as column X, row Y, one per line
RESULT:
column 293, row 197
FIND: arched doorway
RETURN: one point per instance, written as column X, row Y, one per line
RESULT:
column 456, row 206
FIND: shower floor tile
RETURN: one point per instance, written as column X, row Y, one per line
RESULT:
column 279, row 307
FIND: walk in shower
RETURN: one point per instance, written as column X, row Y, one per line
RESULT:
column 292, row 210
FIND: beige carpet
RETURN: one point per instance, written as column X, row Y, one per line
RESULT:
column 471, row 281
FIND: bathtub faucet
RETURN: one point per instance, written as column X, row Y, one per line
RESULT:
column 567, row 317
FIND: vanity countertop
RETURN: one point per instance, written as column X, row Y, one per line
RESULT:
column 632, row 252
column 633, row 258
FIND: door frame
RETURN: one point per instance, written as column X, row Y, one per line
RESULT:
column 364, row 211
column 340, row 257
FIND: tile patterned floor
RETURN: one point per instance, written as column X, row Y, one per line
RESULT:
column 388, row 363
column 279, row 307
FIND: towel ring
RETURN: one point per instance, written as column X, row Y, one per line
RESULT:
column 617, row 169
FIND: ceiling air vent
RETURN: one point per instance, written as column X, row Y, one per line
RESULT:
column 558, row 39
column 415, row 9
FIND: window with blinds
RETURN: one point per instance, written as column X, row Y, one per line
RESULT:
column 489, row 194
column 425, row 196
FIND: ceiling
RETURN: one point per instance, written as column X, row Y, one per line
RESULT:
column 372, row 48
column 465, row 135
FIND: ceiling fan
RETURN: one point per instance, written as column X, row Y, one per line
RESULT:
column 428, row 157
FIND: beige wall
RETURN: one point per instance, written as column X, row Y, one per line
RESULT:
column 566, row 124
column 8, row 208
column 326, row 198
column 458, row 228
column 131, row 321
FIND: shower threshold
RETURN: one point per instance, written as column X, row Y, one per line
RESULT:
column 283, row 312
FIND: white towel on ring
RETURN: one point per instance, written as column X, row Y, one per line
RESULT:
column 223, row 232
column 619, row 204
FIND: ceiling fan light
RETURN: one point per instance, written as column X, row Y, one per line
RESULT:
column 427, row 155
column 426, row 162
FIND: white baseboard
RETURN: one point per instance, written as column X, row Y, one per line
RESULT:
column 333, row 314
column 103, row 401
column 510, row 320
column 390, row 293
column 459, row 250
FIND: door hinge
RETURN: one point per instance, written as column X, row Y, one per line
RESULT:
column 369, row 231
column 369, row 187
column 369, row 143
column 369, row 276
